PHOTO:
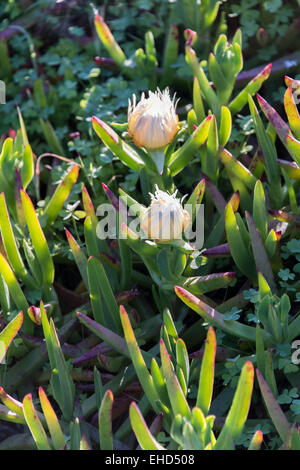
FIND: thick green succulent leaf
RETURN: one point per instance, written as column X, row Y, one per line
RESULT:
column 260, row 215
column 256, row 441
column 141, row 430
column 26, row 367
column 183, row 359
column 267, row 148
column 239, row 409
column 105, row 421
column 233, row 166
column 11, row 403
column 63, row 387
column 105, row 307
column 261, row 258
column 51, row 137
column 206, row 381
column 205, row 86
column 176, row 395
column 15, row 292
column 8, row 415
column 225, row 125
column 292, row 111
column 274, row 410
column 127, row 154
column 112, row 338
column 10, row 245
column 34, row 424
column 198, row 101
column 170, row 56
column 199, row 285
column 293, row 146
column 281, row 128
column 195, row 198
column 216, row 319
column 138, row 361
column 108, row 40
column 181, row 158
column 239, row 250
column 8, row 334
column 56, row 433
column 79, row 256
column 39, row 241
column 60, row 195
column 251, row 88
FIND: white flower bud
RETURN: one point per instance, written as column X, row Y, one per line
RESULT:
column 153, row 122
column 165, row 219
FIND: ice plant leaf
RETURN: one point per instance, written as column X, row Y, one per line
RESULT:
column 236, row 168
column 198, row 102
column 256, row 441
column 141, row 430
column 105, row 421
column 127, row 154
column 79, row 256
column 10, row 245
column 293, row 146
column 38, row 241
column 282, row 129
column 170, row 55
column 88, row 205
column 11, row 403
column 15, row 292
column 280, row 126
column 52, row 421
column 109, row 41
column 23, row 128
column 8, row 334
column 185, row 153
column 268, row 150
column 260, row 215
column 51, row 137
column 138, row 361
column 27, row 169
column 60, row 195
column 206, row 381
column 105, row 307
column 225, row 125
column 28, row 365
column 64, row 388
column 279, row 420
column 239, row 251
column 260, row 255
column 113, row 339
column 183, row 359
column 176, row 395
column 292, row 111
column 205, row 86
column 196, row 197
column 216, row 318
column 199, row 285
column 251, row 88
column 35, row 426
column 239, row 409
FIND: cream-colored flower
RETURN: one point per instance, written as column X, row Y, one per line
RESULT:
column 153, row 122
column 165, row 219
